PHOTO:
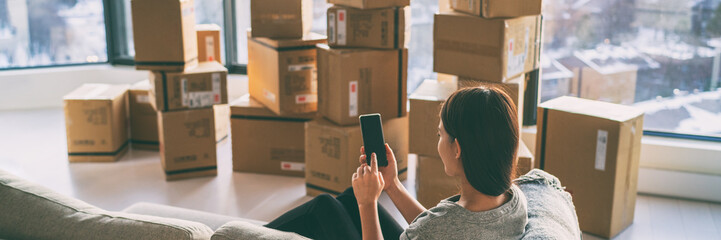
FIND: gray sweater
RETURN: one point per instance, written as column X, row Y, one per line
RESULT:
column 448, row 220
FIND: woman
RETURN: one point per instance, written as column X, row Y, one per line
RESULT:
column 478, row 138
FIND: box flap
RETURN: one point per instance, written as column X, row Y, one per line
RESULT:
column 433, row 90
column 615, row 112
column 309, row 39
column 97, row 91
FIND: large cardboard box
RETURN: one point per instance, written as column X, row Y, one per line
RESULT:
column 492, row 50
column 188, row 143
column 96, row 122
column 332, row 152
column 516, row 89
column 352, row 82
column 432, row 183
column 199, row 87
column 266, row 143
column 498, row 8
column 282, row 73
column 383, row 28
column 143, row 118
column 525, row 159
column 281, row 18
column 209, row 43
column 370, row 4
column 164, row 34
column 425, row 103
column 593, row 148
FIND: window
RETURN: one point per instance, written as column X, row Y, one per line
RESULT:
column 51, row 32
column 661, row 56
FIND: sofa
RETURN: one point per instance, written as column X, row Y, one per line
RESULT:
column 30, row 211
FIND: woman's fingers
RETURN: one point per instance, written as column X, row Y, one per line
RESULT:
column 374, row 163
column 362, row 150
column 362, row 158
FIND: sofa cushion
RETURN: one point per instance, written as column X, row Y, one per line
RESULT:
column 551, row 213
column 247, row 230
column 214, row 221
column 29, row 211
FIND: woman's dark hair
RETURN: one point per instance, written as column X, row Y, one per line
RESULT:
column 484, row 121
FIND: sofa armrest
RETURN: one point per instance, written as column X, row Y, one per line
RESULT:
column 246, row 230
column 214, row 221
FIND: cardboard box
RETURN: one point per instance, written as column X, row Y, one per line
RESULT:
column 383, row 28
column 282, row 148
column 164, row 34
column 282, row 74
column 199, row 87
column 370, row 4
column 492, row 50
column 281, row 18
column 188, row 143
column 352, row 82
column 96, row 122
column 593, row 148
column 432, row 183
column 525, row 159
column 143, row 118
column 498, row 8
column 426, row 102
column 209, row 43
column 516, row 89
column 332, row 152
column 222, row 122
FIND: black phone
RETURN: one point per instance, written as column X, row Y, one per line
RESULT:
column 373, row 140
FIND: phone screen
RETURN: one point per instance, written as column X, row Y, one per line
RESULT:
column 373, row 141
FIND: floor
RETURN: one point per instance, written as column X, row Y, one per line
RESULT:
column 32, row 145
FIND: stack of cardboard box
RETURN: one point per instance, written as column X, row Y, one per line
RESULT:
column 361, row 70
column 184, row 92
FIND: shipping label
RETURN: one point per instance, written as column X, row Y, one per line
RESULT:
column 306, row 98
column 331, row 28
column 601, row 147
column 517, row 57
column 353, row 98
column 292, row 166
column 142, row 99
column 341, row 32
column 210, row 48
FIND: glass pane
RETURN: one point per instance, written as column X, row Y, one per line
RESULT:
column 661, row 56
column 420, row 49
column 51, row 32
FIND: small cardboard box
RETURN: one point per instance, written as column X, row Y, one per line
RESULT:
column 96, row 122
column 525, row 159
column 498, row 8
column 282, row 148
column 425, row 103
column 432, row 183
column 515, row 87
column 593, row 148
column 383, row 28
column 188, row 143
column 164, row 34
column 282, row 74
column 198, row 87
column 209, row 43
column 492, row 50
column 281, row 18
column 332, row 153
column 371, row 4
column 143, row 118
column 352, row 82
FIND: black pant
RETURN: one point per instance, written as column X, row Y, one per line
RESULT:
column 326, row 217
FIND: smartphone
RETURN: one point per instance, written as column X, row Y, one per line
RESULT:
column 373, row 140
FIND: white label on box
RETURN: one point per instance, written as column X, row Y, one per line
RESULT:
column 353, row 98
column 216, row 88
column 210, row 48
column 292, row 166
column 306, row 98
column 300, row 67
column 331, row 28
column 601, row 142
column 341, row 27
column 516, row 63
column 470, row 5
column 184, row 91
column 142, row 99
column 201, row 99
column 269, row 95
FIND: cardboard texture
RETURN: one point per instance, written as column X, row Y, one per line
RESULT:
column 282, row 74
column 332, row 152
column 282, row 148
column 187, row 143
column 525, row 159
column 370, row 4
column 352, row 82
column 593, row 148
column 96, row 122
column 143, row 118
column 164, row 34
column 515, row 88
column 209, row 43
column 497, row 8
column 199, row 87
column 383, row 28
column 491, row 50
column 222, row 122
column 426, row 102
column 432, row 183
column 281, row 18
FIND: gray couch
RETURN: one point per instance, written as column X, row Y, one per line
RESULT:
column 29, row 211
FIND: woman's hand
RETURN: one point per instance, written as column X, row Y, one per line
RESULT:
column 390, row 172
column 368, row 183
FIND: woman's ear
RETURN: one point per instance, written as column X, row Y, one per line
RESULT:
column 456, row 148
